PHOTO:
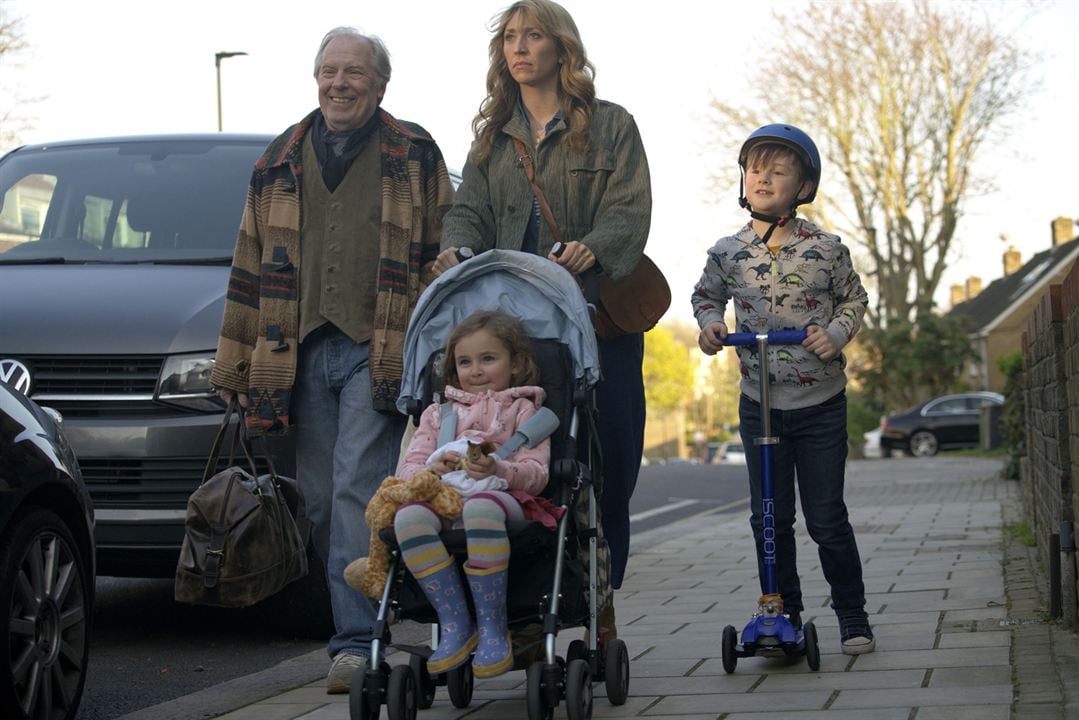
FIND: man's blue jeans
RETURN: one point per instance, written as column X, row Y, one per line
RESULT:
column 344, row 449
column 813, row 442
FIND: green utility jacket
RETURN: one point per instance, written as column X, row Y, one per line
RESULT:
column 602, row 197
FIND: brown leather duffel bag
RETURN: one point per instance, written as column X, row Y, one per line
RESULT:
column 241, row 542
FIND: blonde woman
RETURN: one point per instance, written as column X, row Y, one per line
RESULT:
column 590, row 163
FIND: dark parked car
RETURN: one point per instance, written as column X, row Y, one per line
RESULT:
column 950, row 421
column 114, row 263
column 46, row 562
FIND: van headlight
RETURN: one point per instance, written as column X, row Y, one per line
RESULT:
column 185, row 381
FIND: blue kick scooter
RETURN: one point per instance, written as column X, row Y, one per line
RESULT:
column 770, row 632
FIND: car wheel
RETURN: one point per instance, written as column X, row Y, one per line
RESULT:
column 923, row 444
column 46, row 599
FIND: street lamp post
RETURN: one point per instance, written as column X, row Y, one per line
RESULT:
column 218, row 57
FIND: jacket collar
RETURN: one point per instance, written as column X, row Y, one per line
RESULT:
column 531, row 392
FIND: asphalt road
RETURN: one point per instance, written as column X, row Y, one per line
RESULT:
column 146, row 649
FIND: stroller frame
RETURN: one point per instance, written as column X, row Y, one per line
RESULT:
column 406, row 688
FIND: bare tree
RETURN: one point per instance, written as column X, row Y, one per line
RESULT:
column 12, row 101
column 900, row 97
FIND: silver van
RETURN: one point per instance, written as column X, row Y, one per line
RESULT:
column 114, row 264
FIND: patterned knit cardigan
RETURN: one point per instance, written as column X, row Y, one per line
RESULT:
column 258, row 347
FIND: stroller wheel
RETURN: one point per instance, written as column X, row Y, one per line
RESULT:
column 425, row 684
column 401, row 694
column 538, row 708
column 577, row 649
column 730, row 649
column 812, row 648
column 579, row 691
column 363, row 696
column 616, row 672
column 460, row 682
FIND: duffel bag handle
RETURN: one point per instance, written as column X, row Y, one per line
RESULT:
column 238, row 437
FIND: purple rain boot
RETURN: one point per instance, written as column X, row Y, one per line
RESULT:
column 457, row 634
column 494, row 654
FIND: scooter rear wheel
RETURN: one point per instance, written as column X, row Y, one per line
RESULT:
column 812, row 648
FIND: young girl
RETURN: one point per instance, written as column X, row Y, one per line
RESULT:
column 489, row 375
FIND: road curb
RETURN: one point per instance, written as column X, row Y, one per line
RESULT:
column 240, row 692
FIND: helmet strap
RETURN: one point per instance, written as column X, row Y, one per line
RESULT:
column 775, row 220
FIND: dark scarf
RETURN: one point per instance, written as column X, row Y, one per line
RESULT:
column 336, row 150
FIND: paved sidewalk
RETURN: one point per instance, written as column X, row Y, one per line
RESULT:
column 960, row 624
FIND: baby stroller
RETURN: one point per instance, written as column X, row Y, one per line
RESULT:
column 553, row 580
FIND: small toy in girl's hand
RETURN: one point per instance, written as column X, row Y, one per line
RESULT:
column 476, row 451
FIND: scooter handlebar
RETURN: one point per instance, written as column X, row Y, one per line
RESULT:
column 775, row 337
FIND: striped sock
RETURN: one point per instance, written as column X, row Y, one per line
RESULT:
column 417, row 527
column 485, row 531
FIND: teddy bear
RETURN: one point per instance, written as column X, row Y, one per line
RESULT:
column 368, row 574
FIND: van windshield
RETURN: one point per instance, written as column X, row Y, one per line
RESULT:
column 170, row 200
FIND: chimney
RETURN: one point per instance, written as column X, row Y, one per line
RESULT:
column 974, row 286
column 958, row 295
column 1012, row 260
column 1063, row 230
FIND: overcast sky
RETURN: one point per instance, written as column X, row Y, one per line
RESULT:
column 116, row 67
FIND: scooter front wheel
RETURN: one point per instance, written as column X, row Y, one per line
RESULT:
column 730, row 649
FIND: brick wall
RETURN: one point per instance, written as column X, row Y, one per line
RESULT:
column 1050, row 471
column 1070, row 310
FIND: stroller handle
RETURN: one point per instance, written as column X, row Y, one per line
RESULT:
column 775, row 337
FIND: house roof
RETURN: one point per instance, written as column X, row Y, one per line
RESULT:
column 998, row 301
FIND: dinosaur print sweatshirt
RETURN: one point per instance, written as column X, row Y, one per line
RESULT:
column 809, row 281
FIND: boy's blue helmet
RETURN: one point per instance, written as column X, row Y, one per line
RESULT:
column 793, row 138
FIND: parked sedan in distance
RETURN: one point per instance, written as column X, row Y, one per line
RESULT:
column 730, row 453
column 871, row 444
column 950, row 421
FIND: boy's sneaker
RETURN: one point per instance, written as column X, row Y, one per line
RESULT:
column 795, row 616
column 339, row 679
column 855, row 634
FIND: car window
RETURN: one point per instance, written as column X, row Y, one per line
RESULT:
column 147, row 200
column 25, row 204
column 948, row 405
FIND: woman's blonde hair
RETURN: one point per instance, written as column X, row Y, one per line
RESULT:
column 576, row 88
column 509, row 331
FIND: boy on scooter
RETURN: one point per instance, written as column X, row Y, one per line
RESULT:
column 783, row 273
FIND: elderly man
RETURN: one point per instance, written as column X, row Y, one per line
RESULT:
column 341, row 227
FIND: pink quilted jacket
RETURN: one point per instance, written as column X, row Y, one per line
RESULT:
column 492, row 416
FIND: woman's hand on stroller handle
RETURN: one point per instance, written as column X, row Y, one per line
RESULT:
column 574, row 256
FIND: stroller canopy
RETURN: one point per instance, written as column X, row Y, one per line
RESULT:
column 541, row 294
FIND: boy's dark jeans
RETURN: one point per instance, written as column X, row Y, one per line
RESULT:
column 813, row 440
